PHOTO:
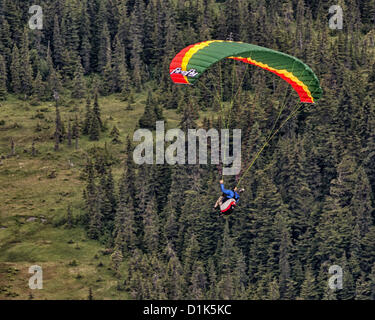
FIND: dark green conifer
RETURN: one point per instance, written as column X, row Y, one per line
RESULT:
column 105, row 51
column 79, row 87
column 3, row 78
column 115, row 135
column 94, row 132
column 148, row 119
column 38, row 87
column 96, row 113
column 58, row 44
column 15, row 70
column 88, row 117
column 26, row 73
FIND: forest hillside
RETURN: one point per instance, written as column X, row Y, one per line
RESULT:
column 73, row 201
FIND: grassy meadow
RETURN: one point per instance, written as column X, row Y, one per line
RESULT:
column 36, row 190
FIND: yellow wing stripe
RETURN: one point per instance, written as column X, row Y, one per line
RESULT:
column 284, row 72
column 193, row 51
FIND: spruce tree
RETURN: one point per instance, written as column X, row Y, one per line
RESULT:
column 308, row 290
column 85, row 35
column 26, row 73
column 212, row 279
column 240, row 276
column 361, row 202
column 125, row 225
column 120, row 75
column 105, row 52
column 151, row 227
column 107, row 210
column 38, row 90
column 75, row 132
column 274, row 290
column 198, row 282
column 95, row 227
column 79, row 87
column 148, row 119
column 53, row 78
column 15, row 70
column 88, row 117
column 136, row 25
column 268, row 203
column 94, row 131
column 363, row 289
column 96, row 113
column 173, row 278
column 59, row 129
column 3, row 78
column 58, row 44
column 13, row 16
column 5, row 38
column 109, row 189
column 334, row 230
column 107, row 86
column 190, row 258
column 69, row 135
column 116, row 259
column 115, row 134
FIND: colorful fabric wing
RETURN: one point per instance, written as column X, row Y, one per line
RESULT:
column 191, row 62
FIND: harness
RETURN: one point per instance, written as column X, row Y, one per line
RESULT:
column 226, row 198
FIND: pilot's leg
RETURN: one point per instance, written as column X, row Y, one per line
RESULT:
column 219, row 202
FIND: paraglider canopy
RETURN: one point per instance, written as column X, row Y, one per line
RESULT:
column 191, row 62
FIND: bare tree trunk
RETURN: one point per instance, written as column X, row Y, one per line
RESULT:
column 57, row 142
column 70, row 135
column 12, row 147
column 33, row 150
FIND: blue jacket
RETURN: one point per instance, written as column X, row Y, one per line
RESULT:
column 229, row 193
